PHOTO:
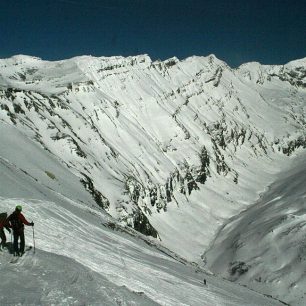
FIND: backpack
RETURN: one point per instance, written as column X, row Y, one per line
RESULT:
column 16, row 223
column 3, row 217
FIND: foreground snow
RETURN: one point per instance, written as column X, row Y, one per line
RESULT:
column 48, row 279
column 79, row 260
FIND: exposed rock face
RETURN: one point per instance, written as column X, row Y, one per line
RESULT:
column 147, row 136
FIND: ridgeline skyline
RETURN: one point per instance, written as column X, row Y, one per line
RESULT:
column 270, row 32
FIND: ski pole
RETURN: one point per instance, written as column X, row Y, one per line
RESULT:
column 33, row 240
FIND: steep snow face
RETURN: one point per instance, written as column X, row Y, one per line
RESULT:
column 264, row 246
column 170, row 148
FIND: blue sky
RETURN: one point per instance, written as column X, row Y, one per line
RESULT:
column 271, row 32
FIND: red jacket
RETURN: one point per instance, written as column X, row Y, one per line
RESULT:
column 23, row 219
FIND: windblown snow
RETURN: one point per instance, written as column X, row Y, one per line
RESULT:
column 133, row 169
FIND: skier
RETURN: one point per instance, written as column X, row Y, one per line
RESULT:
column 3, row 224
column 17, row 221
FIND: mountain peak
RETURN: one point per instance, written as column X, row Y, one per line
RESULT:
column 25, row 58
column 297, row 63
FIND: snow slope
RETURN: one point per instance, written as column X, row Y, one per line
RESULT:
column 80, row 260
column 264, row 247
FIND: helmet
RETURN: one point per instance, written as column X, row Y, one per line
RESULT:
column 19, row 208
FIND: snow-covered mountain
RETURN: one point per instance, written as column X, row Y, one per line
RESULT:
column 172, row 149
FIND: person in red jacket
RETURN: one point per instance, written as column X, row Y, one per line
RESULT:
column 17, row 221
column 3, row 224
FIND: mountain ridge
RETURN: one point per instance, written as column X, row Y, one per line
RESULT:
column 168, row 132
